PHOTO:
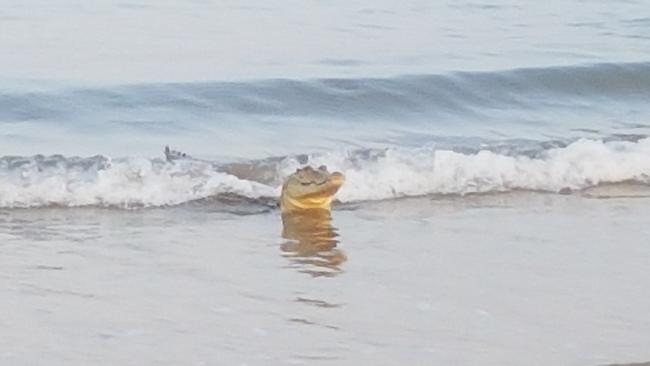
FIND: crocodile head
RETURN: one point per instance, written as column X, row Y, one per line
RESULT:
column 310, row 188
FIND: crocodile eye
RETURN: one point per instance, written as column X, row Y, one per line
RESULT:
column 323, row 168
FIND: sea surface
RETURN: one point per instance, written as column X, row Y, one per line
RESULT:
column 495, row 211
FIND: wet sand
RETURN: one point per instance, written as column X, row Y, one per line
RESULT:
column 511, row 279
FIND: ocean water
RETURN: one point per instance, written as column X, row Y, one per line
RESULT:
column 497, row 156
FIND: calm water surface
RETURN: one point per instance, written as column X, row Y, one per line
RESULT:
column 453, row 280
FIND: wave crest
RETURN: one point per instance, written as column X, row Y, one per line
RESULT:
column 424, row 95
column 371, row 175
column 414, row 172
column 101, row 181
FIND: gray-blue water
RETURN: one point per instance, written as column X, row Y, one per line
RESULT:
column 383, row 91
column 252, row 80
column 497, row 163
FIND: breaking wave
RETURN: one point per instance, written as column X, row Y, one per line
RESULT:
column 100, row 181
column 42, row 181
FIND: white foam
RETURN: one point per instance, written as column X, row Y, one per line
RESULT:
column 136, row 182
column 131, row 182
column 400, row 172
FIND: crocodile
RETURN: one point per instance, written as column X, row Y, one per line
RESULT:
column 310, row 188
column 306, row 189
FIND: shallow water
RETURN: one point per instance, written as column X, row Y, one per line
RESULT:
column 506, row 279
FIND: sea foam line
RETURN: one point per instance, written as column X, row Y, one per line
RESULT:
column 399, row 173
column 395, row 172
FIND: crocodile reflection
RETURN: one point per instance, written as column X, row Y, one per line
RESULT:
column 305, row 203
column 312, row 246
